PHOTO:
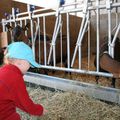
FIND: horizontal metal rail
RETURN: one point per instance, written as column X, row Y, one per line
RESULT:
column 114, row 5
column 78, row 71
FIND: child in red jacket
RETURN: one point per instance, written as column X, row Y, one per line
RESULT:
column 13, row 93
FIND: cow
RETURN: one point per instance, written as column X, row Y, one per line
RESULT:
column 18, row 34
column 103, row 50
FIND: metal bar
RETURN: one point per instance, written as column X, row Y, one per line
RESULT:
column 25, row 30
column 39, row 53
column 32, row 37
column 20, row 14
column 113, row 42
column 68, row 42
column 108, row 6
column 44, row 29
column 98, row 33
column 32, row 32
column 61, row 43
column 113, row 5
column 41, row 10
column 94, row 73
column 89, row 50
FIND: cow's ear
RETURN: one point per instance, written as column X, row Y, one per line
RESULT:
column 9, row 27
column 27, row 26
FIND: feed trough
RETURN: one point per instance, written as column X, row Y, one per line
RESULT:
column 96, row 91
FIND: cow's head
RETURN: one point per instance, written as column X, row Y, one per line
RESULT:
column 18, row 32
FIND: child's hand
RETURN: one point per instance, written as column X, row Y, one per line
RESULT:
column 40, row 98
column 45, row 111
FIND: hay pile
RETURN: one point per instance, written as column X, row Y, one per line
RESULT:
column 71, row 106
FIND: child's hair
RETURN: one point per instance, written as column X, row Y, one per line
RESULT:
column 8, row 60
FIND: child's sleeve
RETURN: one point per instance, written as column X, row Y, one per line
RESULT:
column 24, row 102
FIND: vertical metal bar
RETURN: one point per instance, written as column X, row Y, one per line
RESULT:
column 36, row 30
column 68, row 41
column 116, row 33
column 89, row 50
column 36, row 34
column 32, row 32
column 32, row 36
column 44, row 29
column 13, row 15
column 39, row 52
column 79, row 56
column 108, row 6
column 98, row 33
column 25, row 30
column 61, row 44
column 114, row 40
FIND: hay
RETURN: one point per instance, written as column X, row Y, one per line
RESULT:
column 71, row 106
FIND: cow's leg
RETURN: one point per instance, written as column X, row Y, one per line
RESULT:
column 97, row 79
column 113, row 82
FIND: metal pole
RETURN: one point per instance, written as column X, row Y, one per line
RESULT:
column 114, row 40
column 44, row 29
column 98, row 32
column 68, row 41
column 89, row 42
column 108, row 6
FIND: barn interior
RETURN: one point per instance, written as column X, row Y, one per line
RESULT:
column 70, row 43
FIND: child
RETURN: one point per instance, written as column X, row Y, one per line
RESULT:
column 13, row 93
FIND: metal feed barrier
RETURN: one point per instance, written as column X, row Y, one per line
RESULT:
column 86, row 10
column 38, row 24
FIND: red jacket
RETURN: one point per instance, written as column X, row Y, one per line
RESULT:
column 13, row 94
